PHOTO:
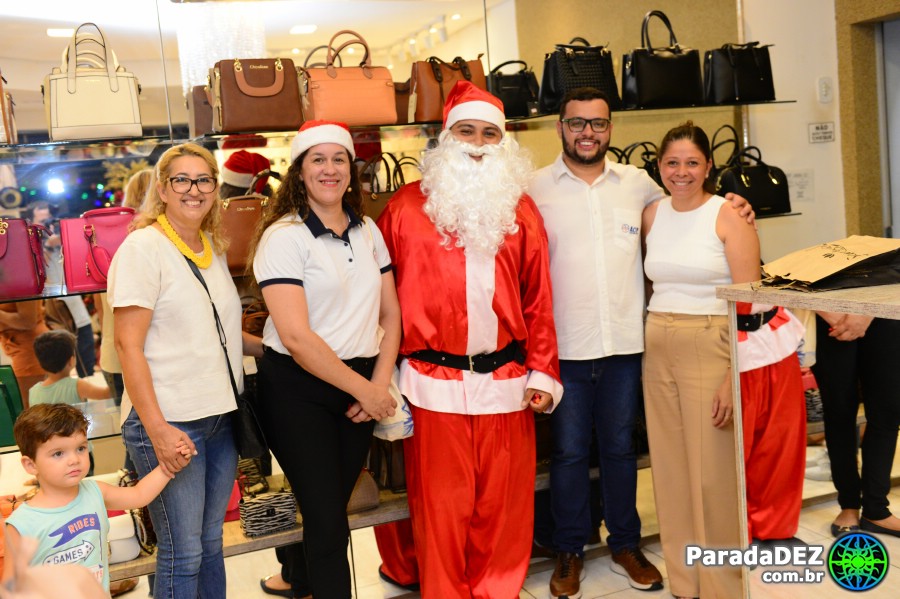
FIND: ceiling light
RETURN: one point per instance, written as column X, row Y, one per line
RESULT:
column 303, row 29
column 433, row 29
column 59, row 32
column 351, row 50
column 295, row 50
column 412, row 41
column 456, row 17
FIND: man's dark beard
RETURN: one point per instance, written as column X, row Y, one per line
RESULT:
column 569, row 150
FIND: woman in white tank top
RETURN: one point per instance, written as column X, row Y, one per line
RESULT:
column 694, row 241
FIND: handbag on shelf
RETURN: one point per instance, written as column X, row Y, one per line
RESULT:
column 255, row 94
column 248, row 434
column 89, row 244
column 738, row 73
column 307, row 64
column 381, row 177
column 10, row 405
column 365, row 495
column 233, row 509
column 267, row 513
column 8, row 132
column 400, row 425
column 763, row 185
column 240, row 215
column 518, row 91
column 573, row 65
column 663, row 77
column 138, row 519
column 732, row 141
column 432, row 79
column 199, row 112
column 387, row 464
column 253, row 320
column 359, row 95
column 90, row 95
column 22, row 272
column 401, row 100
column 648, row 154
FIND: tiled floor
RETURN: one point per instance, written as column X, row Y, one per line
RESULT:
column 245, row 571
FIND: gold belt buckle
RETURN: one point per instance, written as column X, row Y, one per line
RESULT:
column 471, row 364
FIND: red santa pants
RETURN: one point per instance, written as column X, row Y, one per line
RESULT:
column 398, row 551
column 470, row 486
column 774, row 417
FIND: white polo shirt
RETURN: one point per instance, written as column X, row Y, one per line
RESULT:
column 341, row 276
column 595, row 256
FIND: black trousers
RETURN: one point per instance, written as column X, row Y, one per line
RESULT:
column 867, row 369
column 321, row 452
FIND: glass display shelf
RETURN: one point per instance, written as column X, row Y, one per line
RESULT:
column 103, row 420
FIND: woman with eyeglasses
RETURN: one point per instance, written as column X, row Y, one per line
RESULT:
column 177, row 384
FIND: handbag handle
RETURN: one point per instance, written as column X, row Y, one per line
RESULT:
column 733, row 140
column 384, row 158
column 116, row 211
column 321, row 65
column 463, row 66
column 645, row 34
column 580, row 40
column 436, row 64
column 497, row 68
column 648, row 151
column 262, row 91
column 399, row 178
column 366, row 63
column 71, row 54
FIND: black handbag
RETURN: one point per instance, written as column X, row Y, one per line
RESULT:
column 248, row 433
column 648, row 154
column 733, row 142
column 570, row 66
column 738, row 73
column 763, row 185
column 518, row 91
column 661, row 77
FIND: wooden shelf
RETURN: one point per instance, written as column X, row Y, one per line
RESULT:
column 881, row 301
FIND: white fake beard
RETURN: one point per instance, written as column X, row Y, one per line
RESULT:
column 473, row 203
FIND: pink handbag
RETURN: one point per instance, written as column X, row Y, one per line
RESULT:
column 21, row 259
column 89, row 243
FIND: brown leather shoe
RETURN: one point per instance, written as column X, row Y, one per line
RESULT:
column 633, row 565
column 541, row 552
column 566, row 580
column 120, row 587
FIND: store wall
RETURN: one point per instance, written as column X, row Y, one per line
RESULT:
column 804, row 50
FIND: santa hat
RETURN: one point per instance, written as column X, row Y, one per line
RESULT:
column 466, row 101
column 242, row 166
column 313, row 133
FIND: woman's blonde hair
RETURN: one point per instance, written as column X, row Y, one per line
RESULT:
column 136, row 188
column 153, row 205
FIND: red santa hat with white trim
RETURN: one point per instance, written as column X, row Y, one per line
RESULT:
column 467, row 101
column 242, row 166
column 313, row 133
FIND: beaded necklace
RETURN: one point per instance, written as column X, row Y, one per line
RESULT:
column 201, row 261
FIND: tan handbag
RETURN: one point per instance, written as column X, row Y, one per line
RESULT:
column 382, row 176
column 91, row 96
column 365, row 494
column 8, row 133
column 255, row 94
column 240, row 215
column 432, row 80
column 361, row 95
column 199, row 111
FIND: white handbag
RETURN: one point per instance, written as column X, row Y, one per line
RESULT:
column 8, row 134
column 400, row 425
column 123, row 542
column 90, row 96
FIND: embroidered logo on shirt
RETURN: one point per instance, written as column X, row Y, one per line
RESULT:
column 75, row 527
column 630, row 230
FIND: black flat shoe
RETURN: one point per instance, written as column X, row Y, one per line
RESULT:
column 869, row 526
column 277, row 592
column 839, row 531
column 409, row 587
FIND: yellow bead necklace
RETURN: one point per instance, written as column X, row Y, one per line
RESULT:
column 201, row 261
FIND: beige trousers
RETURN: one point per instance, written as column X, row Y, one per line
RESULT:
column 693, row 463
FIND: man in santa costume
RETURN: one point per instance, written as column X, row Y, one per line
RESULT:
column 479, row 349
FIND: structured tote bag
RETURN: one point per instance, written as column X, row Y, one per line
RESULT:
column 360, row 95
column 661, row 77
column 518, row 91
column 570, row 66
column 240, row 215
column 763, row 185
column 255, row 94
column 738, row 73
column 731, row 143
column 90, row 96
column 89, row 244
column 199, row 112
column 647, row 153
column 8, row 132
column 22, row 271
column 431, row 80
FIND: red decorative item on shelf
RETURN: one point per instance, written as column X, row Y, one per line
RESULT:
column 89, row 243
column 21, row 259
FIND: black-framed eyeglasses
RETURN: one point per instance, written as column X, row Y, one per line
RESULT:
column 184, row 184
column 577, row 124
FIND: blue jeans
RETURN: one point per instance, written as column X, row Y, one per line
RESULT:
column 188, row 515
column 604, row 393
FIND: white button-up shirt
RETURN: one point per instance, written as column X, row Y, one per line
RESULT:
column 595, row 256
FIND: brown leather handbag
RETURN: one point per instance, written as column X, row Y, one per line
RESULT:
column 358, row 96
column 240, row 215
column 199, row 112
column 401, row 97
column 432, row 80
column 255, row 94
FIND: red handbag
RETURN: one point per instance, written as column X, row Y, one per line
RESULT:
column 21, row 259
column 89, row 243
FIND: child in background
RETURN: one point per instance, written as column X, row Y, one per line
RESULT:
column 68, row 513
column 55, row 351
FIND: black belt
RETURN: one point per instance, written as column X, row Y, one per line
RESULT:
column 355, row 364
column 481, row 363
column 753, row 322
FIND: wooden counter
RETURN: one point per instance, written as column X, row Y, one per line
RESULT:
column 882, row 301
